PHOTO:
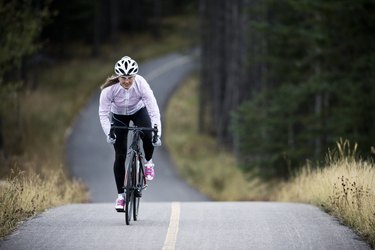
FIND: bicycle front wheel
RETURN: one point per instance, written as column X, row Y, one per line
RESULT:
column 129, row 189
column 139, row 180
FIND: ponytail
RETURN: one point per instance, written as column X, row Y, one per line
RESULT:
column 110, row 81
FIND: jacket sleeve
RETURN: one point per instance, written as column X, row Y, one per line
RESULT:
column 105, row 110
column 151, row 104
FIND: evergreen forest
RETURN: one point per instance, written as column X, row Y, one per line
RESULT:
column 280, row 81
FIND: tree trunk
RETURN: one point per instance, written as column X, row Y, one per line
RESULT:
column 114, row 13
column 1, row 135
column 97, row 30
column 156, row 19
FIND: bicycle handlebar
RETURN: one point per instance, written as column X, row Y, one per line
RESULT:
column 154, row 129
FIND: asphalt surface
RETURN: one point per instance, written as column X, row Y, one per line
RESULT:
column 173, row 215
column 201, row 225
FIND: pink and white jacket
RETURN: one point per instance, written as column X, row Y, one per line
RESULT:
column 121, row 101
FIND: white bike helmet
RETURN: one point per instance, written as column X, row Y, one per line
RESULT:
column 126, row 67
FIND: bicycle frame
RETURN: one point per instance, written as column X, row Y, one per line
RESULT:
column 135, row 180
column 134, row 148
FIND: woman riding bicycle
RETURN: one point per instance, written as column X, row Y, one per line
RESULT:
column 127, row 97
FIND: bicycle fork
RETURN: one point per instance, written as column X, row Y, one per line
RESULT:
column 141, row 179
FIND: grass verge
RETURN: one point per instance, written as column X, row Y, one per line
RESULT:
column 199, row 159
column 25, row 194
column 345, row 187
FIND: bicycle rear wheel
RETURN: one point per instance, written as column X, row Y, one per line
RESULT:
column 129, row 189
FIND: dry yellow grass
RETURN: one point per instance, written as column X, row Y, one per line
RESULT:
column 199, row 159
column 345, row 188
column 25, row 194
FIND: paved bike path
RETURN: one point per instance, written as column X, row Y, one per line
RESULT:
column 196, row 225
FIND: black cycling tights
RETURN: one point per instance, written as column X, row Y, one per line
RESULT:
column 140, row 119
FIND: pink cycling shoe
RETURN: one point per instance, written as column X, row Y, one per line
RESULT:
column 149, row 170
column 120, row 203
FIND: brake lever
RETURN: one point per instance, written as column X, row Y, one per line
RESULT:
column 112, row 132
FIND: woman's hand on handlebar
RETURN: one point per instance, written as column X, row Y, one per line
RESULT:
column 111, row 140
column 111, row 137
column 157, row 143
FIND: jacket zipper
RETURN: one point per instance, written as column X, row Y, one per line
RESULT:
column 126, row 101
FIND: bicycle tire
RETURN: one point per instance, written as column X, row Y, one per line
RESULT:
column 129, row 204
column 139, row 187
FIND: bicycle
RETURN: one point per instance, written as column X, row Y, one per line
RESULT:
column 135, row 180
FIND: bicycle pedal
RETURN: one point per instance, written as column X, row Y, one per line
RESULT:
column 119, row 210
column 138, row 193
